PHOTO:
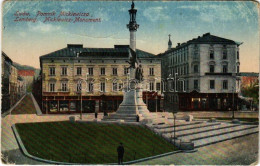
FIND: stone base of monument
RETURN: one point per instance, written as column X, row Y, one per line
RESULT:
column 127, row 110
column 132, row 104
column 142, row 108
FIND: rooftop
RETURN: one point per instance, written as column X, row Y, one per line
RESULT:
column 26, row 72
column 77, row 50
column 206, row 38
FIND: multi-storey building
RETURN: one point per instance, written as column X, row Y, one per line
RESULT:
column 201, row 74
column 94, row 77
column 28, row 76
column 12, row 84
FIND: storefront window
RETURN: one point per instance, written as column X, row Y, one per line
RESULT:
column 64, row 106
column 53, row 106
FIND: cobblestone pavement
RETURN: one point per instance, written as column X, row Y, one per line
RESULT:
column 239, row 151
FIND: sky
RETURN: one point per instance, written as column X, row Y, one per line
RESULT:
column 25, row 41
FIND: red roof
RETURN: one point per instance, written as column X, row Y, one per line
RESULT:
column 26, row 72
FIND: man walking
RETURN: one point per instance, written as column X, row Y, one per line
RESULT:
column 120, row 152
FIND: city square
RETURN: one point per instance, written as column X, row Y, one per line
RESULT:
column 193, row 103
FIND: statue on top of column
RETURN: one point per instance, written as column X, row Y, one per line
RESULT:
column 134, row 64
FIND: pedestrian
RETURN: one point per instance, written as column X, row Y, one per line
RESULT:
column 96, row 115
column 120, row 152
column 137, row 118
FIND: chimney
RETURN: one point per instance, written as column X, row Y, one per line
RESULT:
column 206, row 34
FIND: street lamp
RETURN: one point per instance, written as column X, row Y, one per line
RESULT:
column 174, row 127
column 233, row 111
column 175, row 81
column 80, row 88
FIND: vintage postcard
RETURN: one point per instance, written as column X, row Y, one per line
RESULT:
column 130, row 82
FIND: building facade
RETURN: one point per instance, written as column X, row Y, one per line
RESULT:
column 201, row 74
column 94, row 77
column 28, row 76
column 12, row 84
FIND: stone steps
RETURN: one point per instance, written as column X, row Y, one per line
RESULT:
column 204, row 129
column 177, row 124
column 189, row 127
column 211, row 133
column 224, row 137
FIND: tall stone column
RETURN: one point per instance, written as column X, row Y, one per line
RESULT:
column 133, row 40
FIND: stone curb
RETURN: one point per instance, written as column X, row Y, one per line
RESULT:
column 11, row 109
column 36, row 106
column 25, row 152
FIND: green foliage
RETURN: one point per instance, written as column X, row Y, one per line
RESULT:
column 252, row 91
column 90, row 143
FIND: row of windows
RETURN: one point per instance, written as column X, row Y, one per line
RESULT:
column 90, row 71
column 211, row 84
column 212, row 69
column 224, row 54
column 184, row 85
column 115, row 87
column 179, row 57
column 181, row 70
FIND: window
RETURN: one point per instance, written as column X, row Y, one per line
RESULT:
column 225, row 69
column 151, row 86
column 196, row 68
column 78, row 87
column 211, row 68
column 196, row 52
column 125, row 71
column 64, row 87
column 52, row 71
column 102, row 87
column 211, row 54
column 90, row 87
column 225, row 54
column 114, row 86
column 196, row 84
column 114, row 71
column 212, row 84
column 151, row 71
column 64, row 71
column 237, row 69
column 237, row 54
column 79, row 69
column 120, row 86
column 102, row 71
column 225, row 84
column 90, row 71
column 52, row 87
column 158, row 86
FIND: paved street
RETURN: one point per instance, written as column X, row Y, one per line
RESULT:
column 239, row 151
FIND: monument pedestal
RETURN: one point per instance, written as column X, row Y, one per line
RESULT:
column 132, row 104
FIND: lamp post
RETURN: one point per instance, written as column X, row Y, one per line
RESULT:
column 175, row 81
column 146, row 94
column 233, row 111
column 80, row 88
column 174, row 127
column 156, row 98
